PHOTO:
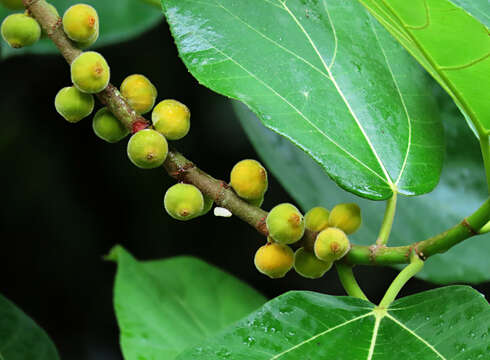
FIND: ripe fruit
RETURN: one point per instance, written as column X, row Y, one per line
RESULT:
column 285, row 224
column 274, row 260
column 20, row 30
column 81, row 23
column 140, row 93
column 172, row 119
column 90, row 72
column 249, row 179
column 184, row 201
column 147, row 149
column 346, row 217
column 12, row 4
column 308, row 265
column 73, row 104
column 316, row 219
column 331, row 244
column 108, row 127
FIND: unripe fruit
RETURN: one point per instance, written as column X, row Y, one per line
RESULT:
column 20, row 30
column 140, row 93
column 208, row 205
column 147, row 149
column 331, row 244
column 88, row 43
column 172, row 119
column 73, row 104
column 309, row 266
column 81, row 22
column 183, row 201
column 316, row 219
column 346, row 217
column 274, row 260
column 90, row 72
column 249, row 179
column 13, row 4
column 285, row 224
column 108, row 127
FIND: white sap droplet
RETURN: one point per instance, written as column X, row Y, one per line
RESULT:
column 222, row 212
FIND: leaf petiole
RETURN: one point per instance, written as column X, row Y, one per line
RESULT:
column 416, row 264
column 389, row 217
column 349, row 281
column 485, row 150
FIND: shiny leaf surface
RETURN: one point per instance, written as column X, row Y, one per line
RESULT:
column 163, row 307
column 306, row 325
column 325, row 75
column 461, row 190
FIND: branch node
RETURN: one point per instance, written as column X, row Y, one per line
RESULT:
column 468, row 226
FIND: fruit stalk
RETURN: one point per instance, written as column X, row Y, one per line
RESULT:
column 184, row 170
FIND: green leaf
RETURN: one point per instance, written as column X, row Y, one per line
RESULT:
column 447, row 323
column 165, row 306
column 461, row 191
column 20, row 337
column 479, row 9
column 451, row 44
column 324, row 75
column 119, row 20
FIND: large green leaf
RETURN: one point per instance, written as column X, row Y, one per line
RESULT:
column 460, row 192
column 163, row 307
column 20, row 337
column 479, row 9
column 449, row 42
column 326, row 76
column 447, row 323
column 119, row 21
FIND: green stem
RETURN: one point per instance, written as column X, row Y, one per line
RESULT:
column 485, row 150
column 384, row 232
column 416, row 264
column 485, row 228
column 349, row 282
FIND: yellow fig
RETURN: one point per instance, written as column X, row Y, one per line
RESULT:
column 346, row 217
column 172, row 119
column 249, row 179
column 331, row 244
column 316, row 219
column 90, row 72
column 274, row 260
column 139, row 92
column 147, row 149
column 81, row 23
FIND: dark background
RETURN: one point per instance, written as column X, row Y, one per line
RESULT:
column 67, row 197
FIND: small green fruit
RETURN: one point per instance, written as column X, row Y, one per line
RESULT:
column 208, row 205
column 20, row 30
column 172, row 119
column 13, row 4
column 90, row 72
column 256, row 202
column 274, row 260
column 331, row 244
column 147, row 149
column 346, row 217
column 285, row 224
column 73, row 104
column 249, row 179
column 184, row 202
column 316, row 219
column 140, row 93
column 108, row 127
column 309, row 266
column 81, row 22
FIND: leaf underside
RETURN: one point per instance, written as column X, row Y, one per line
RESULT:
column 446, row 323
column 325, row 75
column 451, row 41
column 163, row 307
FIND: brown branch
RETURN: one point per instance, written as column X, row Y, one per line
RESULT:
column 184, row 170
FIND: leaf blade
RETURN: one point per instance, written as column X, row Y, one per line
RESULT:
column 299, row 62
